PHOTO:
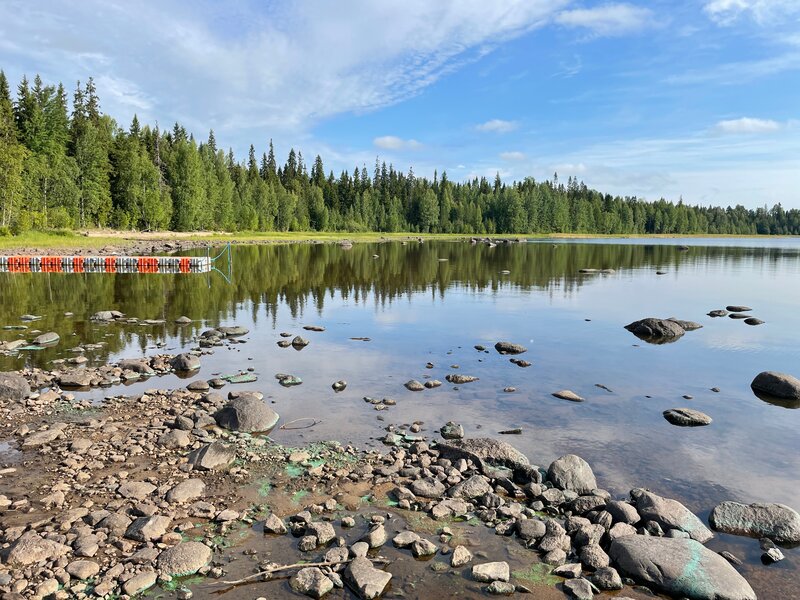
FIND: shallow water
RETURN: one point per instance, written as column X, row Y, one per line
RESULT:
column 416, row 308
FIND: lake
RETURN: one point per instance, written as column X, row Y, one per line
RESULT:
column 433, row 302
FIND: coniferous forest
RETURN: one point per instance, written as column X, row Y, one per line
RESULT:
column 67, row 165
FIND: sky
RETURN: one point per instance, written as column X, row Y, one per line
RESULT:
column 692, row 99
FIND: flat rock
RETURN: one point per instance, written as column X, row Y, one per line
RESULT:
column 365, row 580
column 31, row 548
column 186, row 491
column 776, row 522
column 46, row 339
column 474, row 487
column 13, row 387
column 687, row 417
column 148, row 529
column 489, row 572
column 568, row 395
column 581, row 589
column 484, row 452
column 753, row 321
column 136, row 490
column 509, row 348
column 670, row 514
column 311, row 582
column 778, row 385
column 680, row 567
column 571, row 472
column 656, row 330
column 414, row 386
column 429, row 487
column 139, row 583
column 737, row 308
column 247, row 413
column 187, row 558
column 458, row 378
column 460, row 557
column 212, row 456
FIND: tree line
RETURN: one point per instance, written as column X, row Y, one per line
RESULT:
column 70, row 166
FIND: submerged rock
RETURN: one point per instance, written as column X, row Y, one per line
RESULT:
column 687, row 417
column 657, row 331
column 753, row 321
column 46, row 339
column 737, row 308
column 568, row 395
column 458, row 378
column 509, row 348
column 679, row 567
column 776, row 522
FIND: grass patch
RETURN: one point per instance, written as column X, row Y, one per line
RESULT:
column 539, row 574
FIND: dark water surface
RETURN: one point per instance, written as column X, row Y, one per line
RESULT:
column 416, row 307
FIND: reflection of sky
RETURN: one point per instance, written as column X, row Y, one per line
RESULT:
column 749, row 453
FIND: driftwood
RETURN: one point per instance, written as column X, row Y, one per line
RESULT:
column 275, row 569
column 314, row 422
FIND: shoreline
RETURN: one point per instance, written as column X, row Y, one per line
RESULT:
column 104, row 242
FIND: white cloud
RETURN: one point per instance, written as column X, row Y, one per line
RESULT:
column 513, row 155
column 254, row 69
column 497, row 126
column 747, row 125
column 607, row 19
column 725, row 12
column 391, row 142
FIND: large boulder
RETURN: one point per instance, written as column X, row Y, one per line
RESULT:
column 656, row 331
column 670, row 514
column 31, row 548
column 13, row 387
column 509, row 348
column 484, row 452
column 184, row 559
column 571, row 472
column 247, row 413
column 777, row 385
column 365, row 580
column 680, row 567
column 777, row 522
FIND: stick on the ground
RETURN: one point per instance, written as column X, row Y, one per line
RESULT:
column 271, row 570
column 315, row 422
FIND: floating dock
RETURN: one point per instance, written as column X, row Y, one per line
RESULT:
column 105, row 264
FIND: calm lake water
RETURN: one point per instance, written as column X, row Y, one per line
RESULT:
column 434, row 302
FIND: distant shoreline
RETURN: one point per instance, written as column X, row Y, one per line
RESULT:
column 114, row 241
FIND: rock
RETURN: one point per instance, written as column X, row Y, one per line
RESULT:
column 778, row 385
column 568, row 395
column 485, row 453
column 718, row 313
column 298, row 343
column 530, row 529
column 77, row 378
column 509, row 348
column 500, row 588
column 679, row 567
column 607, row 578
column 312, row 582
column 339, row 386
column 137, row 365
column 423, row 548
column 183, row 320
column 461, row 556
column 233, row 331
column 429, row 487
column 139, row 583
column 777, row 522
column 365, row 580
column 687, row 417
column 623, row 512
column 136, row 490
column 106, row 315
column 686, row 325
column 288, row 380
column 433, row 383
column 656, row 330
column 772, row 555
column 594, row 557
column 404, row 539
column 46, row 339
column 31, row 548
column 474, row 487
column 184, row 363
column 493, row 571
column 247, row 413
column 753, row 321
column 187, row 558
column 187, row 490
column 273, row 524
column 738, row 316
column 212, row 456
column 458, row 378
column 40, row 438
column 13, row 387
column 580, row 588
column 148, row 529
column 323, row 531
column 452, row 431
column 571, row 472
column 670, row 514
column 199, row 385
column 570, row 571
column 414, row 386
column 174, row 439
column 736, row 308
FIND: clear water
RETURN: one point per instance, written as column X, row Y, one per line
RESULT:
column 416, row 308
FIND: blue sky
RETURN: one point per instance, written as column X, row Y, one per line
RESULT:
column 698, row 99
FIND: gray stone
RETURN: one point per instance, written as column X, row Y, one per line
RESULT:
column 686, row 325
column 568, row 395
column 452, row 431
column 738, row 308
column 607, row 578
column 670, row 514
column 187, row 490
column 414, row 386
column 777, row 522
column 77, row 378
column 136, row 490
column 365, row 580
column 137, row 365
column 148, row 529
column 623, row 512
column 174, row 439
column 187, row 558
column 571, row 472
column 40, row 438
column 323, row 531
column 423, row 548
column 233, row 331
column 509, row 348
column 570, row 571
column 47, row 339
column 273, row 524
column 461, row 556
column 212, row 456
column 493, row 571
column 679, row 567
column 500, row 588
column 484, row 452
column 474, row 487
column 139, row 583
column 458, row 378
column 311, row 582
column 247, row 413
column 581, row 589
column 31, row 548
column 404, row 539
column 687, row 417
column 13, row 387
column 594, row 557
column 429, row 487
column 778, row 385
column 184, row 363
column 375, row 537
column 656, row 330
column 530, row 529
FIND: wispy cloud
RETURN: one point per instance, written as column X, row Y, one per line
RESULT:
column 607, row 19
column 497, row 126
column 513, row 155
column 391, row 142
column 737, row 73
column 726, row 12
column 747, row 125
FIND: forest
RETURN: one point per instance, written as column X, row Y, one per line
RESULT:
column 66, row 165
